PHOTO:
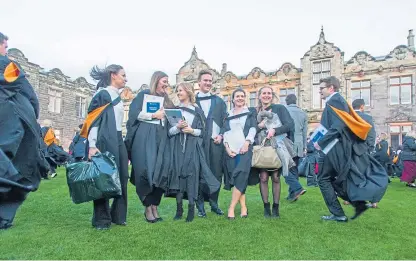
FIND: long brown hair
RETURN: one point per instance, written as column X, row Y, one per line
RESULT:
column 154, row 81
column 274, row 97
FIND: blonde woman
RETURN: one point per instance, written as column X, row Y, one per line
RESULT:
column 266, row 103
column 146, row 143
column 408, row 156
column 190, row 173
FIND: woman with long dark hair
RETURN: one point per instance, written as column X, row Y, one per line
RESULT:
column 147, row 145
column 241, row 123
column 190, row 173
column 103, row 128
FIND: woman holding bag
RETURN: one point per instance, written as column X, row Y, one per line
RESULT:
column 240, row 130
column 265, row 103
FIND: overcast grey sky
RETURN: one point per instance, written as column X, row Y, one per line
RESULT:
column 144, row 36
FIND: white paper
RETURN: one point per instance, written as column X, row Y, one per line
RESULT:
column 235, row 139
column 330, row 146
column 152, row 99
column 318, row 133
column 215, row 130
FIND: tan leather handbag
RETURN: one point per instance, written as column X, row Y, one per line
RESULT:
column 265, row 157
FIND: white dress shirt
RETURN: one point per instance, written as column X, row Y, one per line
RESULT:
column 205, row 104
column 118, row 113
column 239, row 123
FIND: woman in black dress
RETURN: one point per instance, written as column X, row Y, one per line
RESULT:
column 190, row 173
column 146, row 142
column 240, row 131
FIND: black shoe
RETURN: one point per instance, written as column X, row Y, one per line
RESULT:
column 267, row 212
column 149, row 220
column 159, row 219
column 102, row 227
column 5, row 225
column 217, row 211
column 231, row 218
column 191, row 213
column 179, row 211
column 275, row 210
column 335, row 218
column 295, row 196
column 121, row 224
column 359, row 210
column 201, row 210
column 245, row 216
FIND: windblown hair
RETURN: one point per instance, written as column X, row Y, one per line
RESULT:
column 103, row 76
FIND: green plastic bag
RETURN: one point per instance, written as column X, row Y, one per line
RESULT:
column 95, row 179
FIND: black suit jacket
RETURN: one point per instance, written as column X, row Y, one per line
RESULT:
column 371, row 138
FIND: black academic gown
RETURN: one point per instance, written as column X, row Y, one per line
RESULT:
column 149, row 153
column 101, row 115
column 55, row 154
column 190, row 172
column 237, row 169
column 358, row 175
column 22, row 162
column 371, row 137
column 214, row 153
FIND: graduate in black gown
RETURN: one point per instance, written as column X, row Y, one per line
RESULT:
column 347, row 170
column 239, row 151
column 56, row 156
column 103, row 129
column 147, row 146
column 190, row 172
column 215, row 111
column 21, row 160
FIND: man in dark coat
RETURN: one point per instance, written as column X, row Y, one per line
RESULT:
column 346, row 170
column 21, row 161
column 215, row 111
column 358, row 105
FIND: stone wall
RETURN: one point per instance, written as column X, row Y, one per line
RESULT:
column 67, row 120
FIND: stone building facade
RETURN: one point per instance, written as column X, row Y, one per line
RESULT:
column 386, row 83
column 62, row 100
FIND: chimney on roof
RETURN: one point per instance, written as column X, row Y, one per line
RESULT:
column 411, row 40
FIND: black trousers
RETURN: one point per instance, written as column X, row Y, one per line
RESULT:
column 103, row 214
column 326, row 177
column 10, row 203
column 153, row 198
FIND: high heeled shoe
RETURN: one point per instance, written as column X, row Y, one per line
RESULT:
column 149, row 220
column 244, row 216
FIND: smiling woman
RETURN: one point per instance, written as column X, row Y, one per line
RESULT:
column 240, row 127
column 103, row 129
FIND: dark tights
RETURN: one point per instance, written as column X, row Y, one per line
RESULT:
column 264, row 186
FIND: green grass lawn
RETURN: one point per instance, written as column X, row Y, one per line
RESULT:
column 50, row 226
